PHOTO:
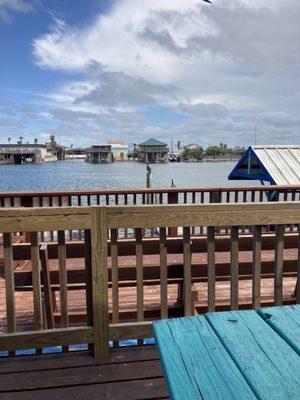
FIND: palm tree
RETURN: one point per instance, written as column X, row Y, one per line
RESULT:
column 8, row 139
column 21, row 139
column 35, row 141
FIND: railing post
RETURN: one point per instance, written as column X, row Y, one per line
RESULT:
column 100, row 281
column 173, row 199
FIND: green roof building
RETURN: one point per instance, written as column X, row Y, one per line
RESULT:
column 153, row 151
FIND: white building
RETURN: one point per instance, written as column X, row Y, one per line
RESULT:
column 119, row 150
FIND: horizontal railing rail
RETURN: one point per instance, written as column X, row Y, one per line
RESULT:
column 102, row 241
column 63, row 198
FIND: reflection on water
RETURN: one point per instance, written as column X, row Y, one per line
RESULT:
column 81, row 175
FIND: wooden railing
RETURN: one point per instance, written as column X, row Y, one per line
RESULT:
column 100, row 223
column 63, row 198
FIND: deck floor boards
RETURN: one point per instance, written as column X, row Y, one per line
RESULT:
column 133, row 373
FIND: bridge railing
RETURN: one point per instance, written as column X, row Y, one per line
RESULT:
column 100, row 223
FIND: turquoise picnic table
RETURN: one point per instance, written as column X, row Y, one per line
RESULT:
column 232, row 355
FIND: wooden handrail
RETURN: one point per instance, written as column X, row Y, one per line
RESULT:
column 39, row 193
column 99, row 221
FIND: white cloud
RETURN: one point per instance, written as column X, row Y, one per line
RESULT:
column 8, row 7
column 220, row 68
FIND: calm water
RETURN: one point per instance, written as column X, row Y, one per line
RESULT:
column 81, row 175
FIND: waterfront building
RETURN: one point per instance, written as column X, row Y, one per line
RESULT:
column 22, row 153
column 152, row 151
column 100, row 154
column 119, row 150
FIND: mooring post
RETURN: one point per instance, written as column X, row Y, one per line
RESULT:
column 149, row 182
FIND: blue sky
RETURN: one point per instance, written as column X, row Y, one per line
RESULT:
column 90, row 71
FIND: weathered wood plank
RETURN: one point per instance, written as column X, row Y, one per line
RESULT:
column 100, row 281
column 285, row 321
column 278, row 272
column 9, row 283
column 163, row 273
column 195, row 362
column 211, row 269
column 270, row 366
column 204, row 215
column 63, row 280
column 90, row 375
column 139, row 275
column 44, row 219
column 36, row 283
column 256, row 281
column 47, row 285
column 234, row 268
column 46, row 338
column 115, row 275
column 75, row 359
column 146, row 389
column 187, row 273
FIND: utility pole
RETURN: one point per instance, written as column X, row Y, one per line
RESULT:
column 255, row 135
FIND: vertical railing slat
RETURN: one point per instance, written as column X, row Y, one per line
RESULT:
column 211, row 269
column 278, row 272
column 63, row 281
column 256, row 281
column 297, row 291
column 139, row 276
column 234, row 267
column 9, row 284
column 187, row 275
column 100, row 281
column 88, row 276
column 163, row 273
column 115, row 276
column 36, row 283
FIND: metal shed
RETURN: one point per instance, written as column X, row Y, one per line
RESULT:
column 277, row 165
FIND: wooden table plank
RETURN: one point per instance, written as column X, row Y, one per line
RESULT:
column 195, row 362
column 269, row 364
column 285, row 321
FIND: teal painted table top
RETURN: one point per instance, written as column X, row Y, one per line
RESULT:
column 232, row 355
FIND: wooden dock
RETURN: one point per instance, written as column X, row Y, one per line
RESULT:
column 129, row 373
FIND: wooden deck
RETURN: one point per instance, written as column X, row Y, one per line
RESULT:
column 130, row 373
column 77, row 298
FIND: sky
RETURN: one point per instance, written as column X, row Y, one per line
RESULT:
column 97, row 70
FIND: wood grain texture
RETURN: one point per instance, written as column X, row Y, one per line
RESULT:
column 63, row 280
column 47, row 285
column 100, row 281
column 9, row 283
column 139, row 274
column 256, row 281
column 278, row 272
column 234, row 268
column 203, row 215
column 44, row 219
column 195, row 362
column 211, row 268
column 285, row 321
column 270, row 366
column 46, row 338
column 163, row 272
column 36, row 283
column 298, row 270
column 88, row 276
column 187, row 272
column 115, row 275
